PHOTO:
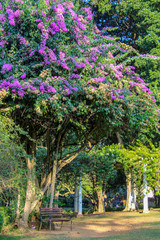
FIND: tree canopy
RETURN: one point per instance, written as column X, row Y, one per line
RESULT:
column 64, row 79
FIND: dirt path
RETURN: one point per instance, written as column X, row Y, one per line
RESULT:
column 104, row 225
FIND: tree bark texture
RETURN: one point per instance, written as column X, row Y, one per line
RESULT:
column 30, row 190
column 101, row 205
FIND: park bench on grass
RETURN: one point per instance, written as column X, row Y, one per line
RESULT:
column 53, row 215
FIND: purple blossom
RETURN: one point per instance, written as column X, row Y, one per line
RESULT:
column 21, row 93
column 62, row 25
column 55, row 27
column 59, row 9
column 148, row 55
column 51, row 89
column 42, row 89
column 17, row 13
column 113, row 97
column 7, row 67
column 40, row 26
column 122, row 97
column 22, row 40
column 23, row 76
column 9, row 11
column 64, row 65
column 76, row 76
column 98, row 79
column 16, row 84
column 52, row 55
column 41, row 50
column 47, row 2
column 2, row 17
column 12, row 22
column 75, row 89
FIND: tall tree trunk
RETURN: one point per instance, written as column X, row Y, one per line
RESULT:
column 101, row 206
column 53, row 182
column 31, row 176
column 29, row 192
column 56, row 197
column 54, row 171
column 128, row 183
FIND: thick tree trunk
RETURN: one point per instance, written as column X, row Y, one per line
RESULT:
column 31, row 176
column 56, row 197
column 128, row 183
column 29, row 192
column 101, row 205
column 54, row 170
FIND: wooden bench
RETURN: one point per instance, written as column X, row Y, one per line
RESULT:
column 53, row 215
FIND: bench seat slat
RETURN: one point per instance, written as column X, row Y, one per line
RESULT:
column 53, row 215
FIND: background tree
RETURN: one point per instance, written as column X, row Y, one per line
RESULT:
column 12, row 165
column 137, row 24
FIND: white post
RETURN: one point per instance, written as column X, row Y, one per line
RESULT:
column 76, row 197
column 80, row 196
column 145, row 194
column 133, row 194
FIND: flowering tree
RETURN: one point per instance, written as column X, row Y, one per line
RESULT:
column 63, row 78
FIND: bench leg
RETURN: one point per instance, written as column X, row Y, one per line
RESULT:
column 71, row 225
column 61, row 225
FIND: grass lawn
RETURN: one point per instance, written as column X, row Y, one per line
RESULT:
column 111, row 226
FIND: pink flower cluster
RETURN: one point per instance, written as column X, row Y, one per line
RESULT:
column 6, row 67
column 76, row 53
column 13, row 15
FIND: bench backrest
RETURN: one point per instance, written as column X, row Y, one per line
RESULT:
column 51, row 212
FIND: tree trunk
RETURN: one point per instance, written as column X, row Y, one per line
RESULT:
column 56, row 197
column 128, row 183
column 53, row 182
column 31, row 176
column 101, row 206
column 54, row 171
column 29, row 192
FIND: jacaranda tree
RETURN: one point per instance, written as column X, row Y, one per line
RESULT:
column 63, row 79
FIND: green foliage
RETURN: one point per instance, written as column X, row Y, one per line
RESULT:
column 1, row 219
column 136, row 23
column 12, row 177
column 140, row 159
